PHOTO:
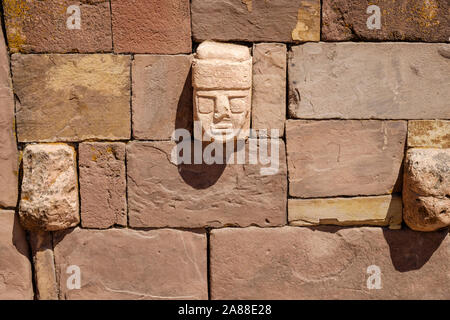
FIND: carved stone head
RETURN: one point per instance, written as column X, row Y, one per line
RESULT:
column 222, row 81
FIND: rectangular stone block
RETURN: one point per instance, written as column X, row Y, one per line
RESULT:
column 377, row 211
column 344, row 158
column 124, row 264
column 9, row 168
column 329, row 263
column 72, row 97
column 369, row 81
column 162, row 95
column 164, row 194
column 102, row 184
column 255, row 21
column 58, row 26
column 386, row 20
column 151, row 26
column 428, row 134
column 15, row 267
column 269, row 86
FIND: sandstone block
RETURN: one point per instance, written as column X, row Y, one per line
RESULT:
column 255, row 21
column 151, row 26
column 49, row 198
column 15, row 268
column 163, row 194
column 429, row 134
column 72, row 97
column 378, row 211
column 344, row 158
column 102, row 184
column 124, row 264
column 329, row 263
column 426, row 189
column 269, row 86
column 9, row 168
column 369, row 81
column 162, row 95
column 404, row 20
column 58, row 25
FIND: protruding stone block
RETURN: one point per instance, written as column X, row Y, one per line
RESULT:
column 255, row 21
column 426, row 189
column 102, row 184
column 121, row 264
column 429, row 134
column 162, row 95
column 386, row 20
column 16, row 281
column 151, row 26
column 72, row 97
column 344, row 158
column 369, row 81
column 377, row 211
column 329, row 263
column 49, row 198
column 269, row 87
column 58, row 26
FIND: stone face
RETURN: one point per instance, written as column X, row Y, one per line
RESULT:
column 426, row 189
column 16, row 281
column 222, row 81
column 72, row 97
column 162, row 95
column 378, row 211
column 329, row 263
column 369, row 81
column 8, row 149
column 49, row 198
column 255, row 21
column 126, row 264
column 269, row 86
column 344, row 158
column 102, row 184
column 58, row 25
column 429, row 134
column 163, row 194
column 151, row 26
column 410, row 20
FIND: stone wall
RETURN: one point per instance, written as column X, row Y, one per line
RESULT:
column 349, row 100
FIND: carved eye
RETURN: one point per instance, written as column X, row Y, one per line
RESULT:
column 237, row 105
column 205, row 105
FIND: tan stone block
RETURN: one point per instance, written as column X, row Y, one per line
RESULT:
column 377, row 211
column 72, row 97
column 429, row 134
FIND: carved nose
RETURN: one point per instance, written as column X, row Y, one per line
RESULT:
column 222, row 110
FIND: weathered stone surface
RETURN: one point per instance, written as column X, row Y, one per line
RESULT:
column 426, row 189
column 429, row 134
column 15, row 268
column 102, row 184
column 329, row 263
column 151, row 26
column 254, row 20
column 269, row 86
column 161, row 194
column 162, row 95
column 44, row 265
column 222, row 81
column 369, row 81
column 411, row 20
column 378, row 211
column 344, row 158
column 49, row 198
column 127, row 264
column 72, row 97
column 42, row 26
column 8, row 150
